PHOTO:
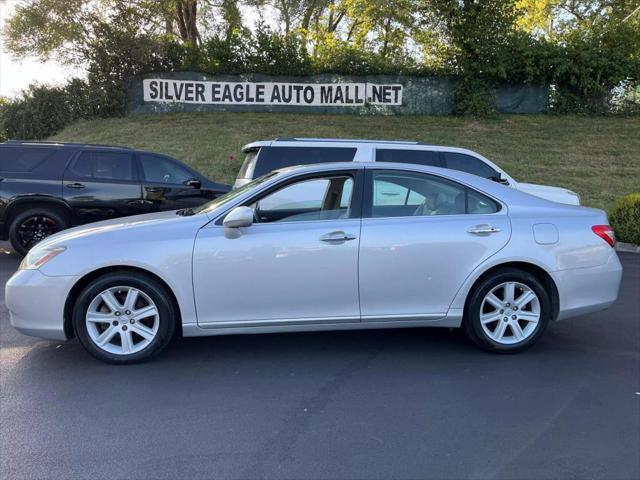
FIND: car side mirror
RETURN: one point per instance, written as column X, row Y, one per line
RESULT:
column 500, row 178
column 194, row 182
column 238, row 217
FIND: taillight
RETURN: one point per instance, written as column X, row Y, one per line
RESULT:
column 605, row 232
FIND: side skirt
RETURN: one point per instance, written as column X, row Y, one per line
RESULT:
column 450, row 321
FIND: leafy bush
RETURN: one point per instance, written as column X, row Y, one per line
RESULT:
column 118, row 54
column 41, row 111
column 625, row 218
column 591, row 63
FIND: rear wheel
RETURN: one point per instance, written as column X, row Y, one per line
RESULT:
column 507, row 312
column 124, row 317
column 34, row 225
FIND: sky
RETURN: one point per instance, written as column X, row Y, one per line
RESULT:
column 17, row 74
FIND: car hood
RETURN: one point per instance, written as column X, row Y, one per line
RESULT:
column 120, row 224
column 555, row 194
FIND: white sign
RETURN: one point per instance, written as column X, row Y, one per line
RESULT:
column 271, row 93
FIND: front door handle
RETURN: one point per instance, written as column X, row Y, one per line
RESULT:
column 153, row 189
column 484, row 229
column 75, row 185
column 336, row 237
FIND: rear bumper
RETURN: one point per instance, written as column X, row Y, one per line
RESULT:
column 36, row 303
column 587, row 290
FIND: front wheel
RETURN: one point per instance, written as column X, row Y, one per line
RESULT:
column 33, row 225
column 124, row 317
column 507, row 312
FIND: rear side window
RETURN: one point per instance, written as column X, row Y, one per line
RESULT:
column 468, row 164
column 104, row 166
column 417, row 157
column 23, row 159
column 405, row 194
column 273, row 158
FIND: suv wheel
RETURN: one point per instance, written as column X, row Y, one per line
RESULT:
column 124, row 317
column 33, row 225
column 507, row 312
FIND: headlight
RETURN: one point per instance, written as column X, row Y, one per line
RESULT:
column 39, row 256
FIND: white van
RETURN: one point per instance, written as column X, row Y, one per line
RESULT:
column 265, row 156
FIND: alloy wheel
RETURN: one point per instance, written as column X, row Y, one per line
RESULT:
column 35, row 229
column 122, row 320
column 510, row 313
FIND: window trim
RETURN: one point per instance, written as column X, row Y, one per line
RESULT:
column 367, row 203
column 356, row 197
column 71, row 174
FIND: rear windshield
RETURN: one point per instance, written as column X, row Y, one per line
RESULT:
column 23, row 159
column 274, row 158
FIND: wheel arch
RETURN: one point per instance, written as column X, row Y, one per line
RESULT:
column 21, row 204
column 536, row 270
column 89, row 277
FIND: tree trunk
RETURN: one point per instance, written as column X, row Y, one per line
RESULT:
column 186, row 16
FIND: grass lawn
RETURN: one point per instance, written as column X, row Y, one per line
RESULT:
column 597, row 157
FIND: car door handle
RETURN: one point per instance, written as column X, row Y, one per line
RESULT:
column 484, row 229
column 338, row 236
column 153, row 189
column 75, row 185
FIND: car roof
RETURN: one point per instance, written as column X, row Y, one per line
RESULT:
column 30, row 143
column 327, row 141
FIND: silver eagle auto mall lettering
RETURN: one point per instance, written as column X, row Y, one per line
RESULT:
column 271, row 93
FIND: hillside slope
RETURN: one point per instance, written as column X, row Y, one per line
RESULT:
column 597, row 157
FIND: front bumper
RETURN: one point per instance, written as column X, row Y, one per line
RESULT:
column 36, row 303
column 587, row 290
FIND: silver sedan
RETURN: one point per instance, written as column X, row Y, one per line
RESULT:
column 323, row 247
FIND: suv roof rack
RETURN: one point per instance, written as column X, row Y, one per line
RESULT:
column 351, row 140
column 65, row 144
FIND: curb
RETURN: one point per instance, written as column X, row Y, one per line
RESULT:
column 627, row 247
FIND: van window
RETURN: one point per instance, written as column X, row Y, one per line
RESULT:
column 23, row 159
column 469, row 164
column 273, row 158
column 417, row 157
column 247, row 165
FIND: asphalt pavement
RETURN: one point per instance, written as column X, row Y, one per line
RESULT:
column 388, row 404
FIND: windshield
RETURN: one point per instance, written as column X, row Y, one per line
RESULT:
column 228, row 197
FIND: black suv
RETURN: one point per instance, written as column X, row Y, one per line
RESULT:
column 46, row 187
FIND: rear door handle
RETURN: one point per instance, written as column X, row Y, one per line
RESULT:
column 339, row 236
column 75, row 185
column 484, row 229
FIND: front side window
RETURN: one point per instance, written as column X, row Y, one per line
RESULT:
column 104, row 166
column 469, row 164
column 163, row 170
column 324, row 198
column 404, row 194
column 274, row 158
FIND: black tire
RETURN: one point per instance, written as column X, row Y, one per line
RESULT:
column 471, row 323
column 32, row 225
column 155, row 290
